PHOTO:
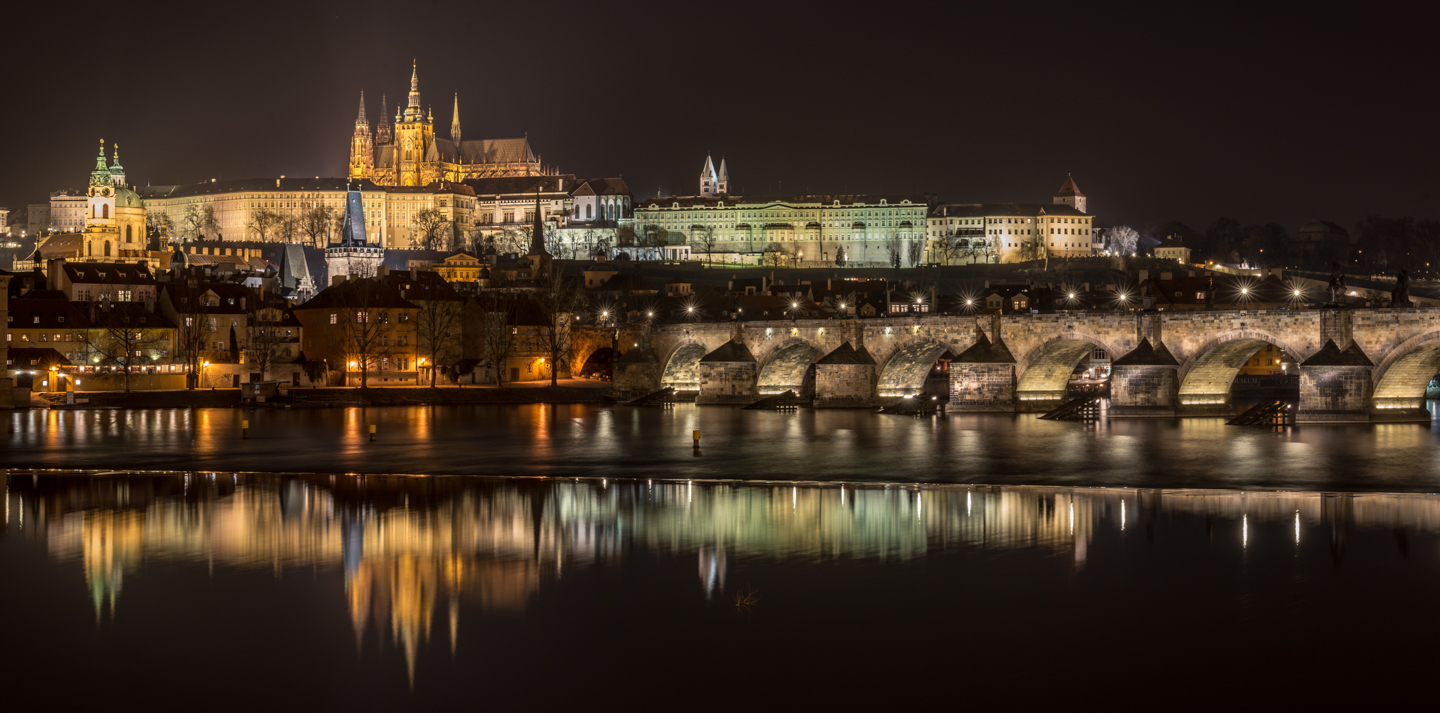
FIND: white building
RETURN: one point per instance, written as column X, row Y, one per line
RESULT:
column 67, row 211
column 964, row 233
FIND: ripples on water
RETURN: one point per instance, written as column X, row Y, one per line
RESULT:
column 336, row 592
column 581, row 440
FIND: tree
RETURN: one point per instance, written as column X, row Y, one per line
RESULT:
column 367, row 325
column 287, row 228
column 315, row 224
column 264, row 338
column 895, row 250
column 438, row 324
column 262, row 224
column 498, row 312
column 196, row 222
column 129, row 336
column 432, row 229
column 157, row 223
column 557, row 299
column 704, row 241
column 191, row 338
column 1124, row 240
column 1222, row 240
column 915, row 251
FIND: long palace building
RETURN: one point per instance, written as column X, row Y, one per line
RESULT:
column 410, row 154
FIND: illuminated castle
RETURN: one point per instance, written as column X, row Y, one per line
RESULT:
column 410, row 154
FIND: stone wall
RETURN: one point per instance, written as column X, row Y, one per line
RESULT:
column 727, row 382
column 1335, row 394
column 981, row 387
column 1143, row 391
column 844, row 385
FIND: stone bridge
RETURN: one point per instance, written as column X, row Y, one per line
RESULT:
column 1355, row 365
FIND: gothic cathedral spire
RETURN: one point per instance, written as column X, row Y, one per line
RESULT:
column 362, row 147
column 455, row 122
column 382, row 132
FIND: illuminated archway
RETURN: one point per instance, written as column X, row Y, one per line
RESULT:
column 1403, row 375
column 682, row 371
column 786, row 368
column 908, row 368
column 1207, row 376
column 1046, row 370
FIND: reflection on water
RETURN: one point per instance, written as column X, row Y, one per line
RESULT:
column 414, row 550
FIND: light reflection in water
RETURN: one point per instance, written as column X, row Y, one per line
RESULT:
column 410, row 549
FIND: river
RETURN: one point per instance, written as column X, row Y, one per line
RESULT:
column 619, row 441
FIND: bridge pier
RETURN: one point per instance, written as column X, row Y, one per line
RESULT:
column 845, row 378
column 729, row 375
column 637, row 372
column 1144, row 383
column 982, row 378
column 1335, row 386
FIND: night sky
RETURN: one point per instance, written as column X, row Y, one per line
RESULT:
column 1266, row 114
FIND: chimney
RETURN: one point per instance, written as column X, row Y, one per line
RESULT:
column 336, row 280
column 1167, row 276
column 382, row 271
column 414, row 273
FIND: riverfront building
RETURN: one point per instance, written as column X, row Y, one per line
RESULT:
column 964, row 233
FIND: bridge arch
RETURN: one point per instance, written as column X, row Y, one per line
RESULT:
column 1211, row 369
column 909, row 366
column 682, row 369
column 787, row 367
column 1047, row 368
column 1406, row 370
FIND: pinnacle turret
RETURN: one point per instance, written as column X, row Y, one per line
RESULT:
column 101, row 175
column 361, row 120
column 455, row 121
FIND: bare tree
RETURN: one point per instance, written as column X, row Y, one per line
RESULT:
column 198, row 221
column 158, row 222
column 367, row 325
column 315, row 224
column 704, row 240
column 431, row 229
column 895, row 250
column 129, row 336
column 498, row 331
column 264, row 338
column 263, row 224
column 438, row 324
column 1124, row 240
column 558, row 299
column 512, row 241
column 914, row 251
column 191, row 337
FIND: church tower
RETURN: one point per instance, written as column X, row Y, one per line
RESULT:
column 1070, row 195
column 362, row 150
column 707, row 179
column 455, row 123
column 383, row 137
column 414, row 138
column 100, row 213
column 723, row 185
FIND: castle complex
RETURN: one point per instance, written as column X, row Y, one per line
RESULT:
column 410, row 154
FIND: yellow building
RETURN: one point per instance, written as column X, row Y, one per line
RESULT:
column 411, row 154
column 460, row 266
column 964, row 233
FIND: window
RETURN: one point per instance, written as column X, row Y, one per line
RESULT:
column 333, row 318
column 35, row 319
column 210, row 325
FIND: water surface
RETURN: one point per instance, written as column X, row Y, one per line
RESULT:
column 247, row 591
column 603, row 441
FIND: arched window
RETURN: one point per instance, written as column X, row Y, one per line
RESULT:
column 89, row 249
column 128, row 236
column 589, row 211
column 106, row 210
column 107, row 248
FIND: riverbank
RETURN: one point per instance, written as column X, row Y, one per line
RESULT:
column 382, row 396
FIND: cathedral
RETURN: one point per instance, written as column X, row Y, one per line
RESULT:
column 410, row 154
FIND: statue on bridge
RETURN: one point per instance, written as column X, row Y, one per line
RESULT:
column 1210, row 294
column 1337, row 284
column 1400, row 296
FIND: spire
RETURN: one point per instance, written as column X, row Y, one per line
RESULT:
column 723, row 185
column 1069, row 188
column 415, row 86
column 455, row 121
column 707, row 178
column 360, row 120
column 382, row 132
column 537, row 229
column 117, row 172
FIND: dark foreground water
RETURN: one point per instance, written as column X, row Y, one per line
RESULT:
column 264, row 592
column 623, row 441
